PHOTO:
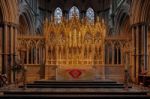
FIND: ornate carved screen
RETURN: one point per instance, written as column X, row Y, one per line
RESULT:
column 74, row 42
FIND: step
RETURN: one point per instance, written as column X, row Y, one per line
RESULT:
column 93, row 82
column 73, row 93
column 73, row 86
column 75, row 96
column 76, row 84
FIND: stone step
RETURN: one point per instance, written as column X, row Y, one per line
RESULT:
column 90, row 82
column 73, row 86
column 76, row 84
column 74, row 93
column 75, row 96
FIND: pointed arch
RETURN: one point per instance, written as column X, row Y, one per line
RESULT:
column 9, row 10
column 90, row 15
column 74, row 11
column 58, row 15
column 28, row 18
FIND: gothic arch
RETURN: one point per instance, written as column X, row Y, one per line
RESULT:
column 90, row 14
column 9, row 10
column 3, row 9
column 24, row 27
column 122, row 19
column 140, row 11
column 27, row 17
column 74, row 10
column 145, row 12
column 58, row 14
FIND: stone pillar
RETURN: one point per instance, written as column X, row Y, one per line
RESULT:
column 47, row 55
column 137, row 51
column 113, row 54
column 122, row 52
column 1, row 46
column 11, row 51
column 5, row 49
column 36, row 54
column 145, row 38
column 8, row 50
column 140, row 48
column 133, row 75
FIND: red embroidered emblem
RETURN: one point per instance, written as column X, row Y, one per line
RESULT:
column 75, row 73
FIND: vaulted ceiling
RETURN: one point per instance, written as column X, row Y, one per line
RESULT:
column 65, row 5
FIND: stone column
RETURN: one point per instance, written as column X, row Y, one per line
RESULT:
column 36, row 54
column 103, row 70
column 1, row 46
column 8, row 52
column 5, row 33
column 47, row 57
column 133, row 75
column 122, row 52
column 12, row 32
column 137, row 52
column 135, row 38
column 140, row 48
column 145, row 38
column 113, row 60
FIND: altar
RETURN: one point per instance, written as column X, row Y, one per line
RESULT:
column 75, row 73
column 75, row 49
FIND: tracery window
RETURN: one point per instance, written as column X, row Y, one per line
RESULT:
column 58, row 15
column 74, row 11
column 90, row 15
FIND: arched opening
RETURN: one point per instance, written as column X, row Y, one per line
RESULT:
column 90, row 15
column 58, row 15
column 23, row 25
column 123, row 23
column 125, row 26
column 74, row 11
column 23, row 30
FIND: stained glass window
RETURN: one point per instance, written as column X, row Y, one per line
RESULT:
column 58, row 15
column 90, row 15
column 74, row 11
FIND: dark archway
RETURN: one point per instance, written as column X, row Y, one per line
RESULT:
column 24, row 27
column 124, row 24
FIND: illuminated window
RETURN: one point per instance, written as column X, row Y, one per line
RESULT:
column 90, row 15
column 74, row 11
column 58, row 15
